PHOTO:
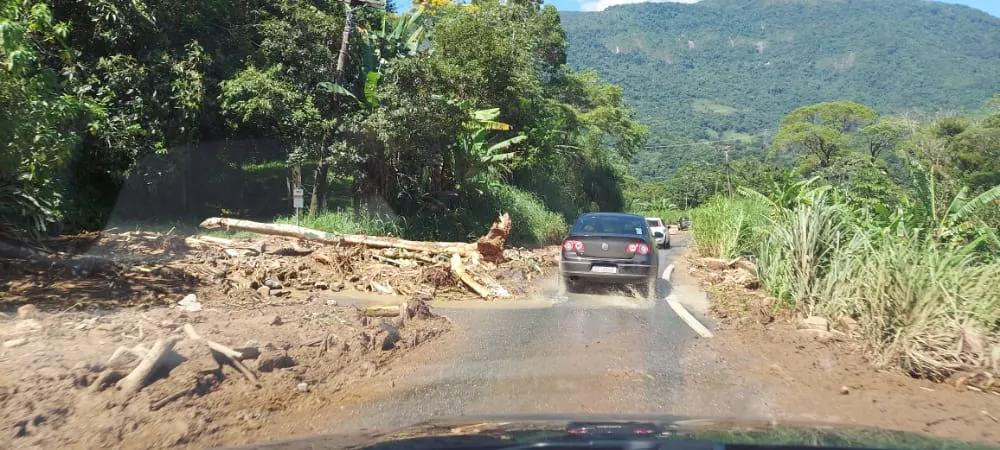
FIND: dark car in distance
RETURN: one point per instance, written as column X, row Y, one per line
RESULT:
column 610, row 248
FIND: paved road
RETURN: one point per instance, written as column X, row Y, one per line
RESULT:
column 590, row 353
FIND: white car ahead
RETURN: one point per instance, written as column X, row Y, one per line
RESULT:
column 660, row 233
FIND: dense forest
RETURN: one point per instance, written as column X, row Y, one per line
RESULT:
column 432, row 120
column 731, row 69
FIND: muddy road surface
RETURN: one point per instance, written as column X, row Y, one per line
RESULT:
column 602, row 351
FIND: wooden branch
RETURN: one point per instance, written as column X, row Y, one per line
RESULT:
column 139, row 377
column 176, row 395
column 216, row 223
column 229, row 354
column 459, row 271
column 380, row 311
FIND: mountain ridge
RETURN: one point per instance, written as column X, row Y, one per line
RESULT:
column 717, row 68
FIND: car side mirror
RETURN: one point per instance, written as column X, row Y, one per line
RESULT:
column 657, row 234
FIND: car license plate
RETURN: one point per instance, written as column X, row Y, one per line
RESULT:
column 604, row 269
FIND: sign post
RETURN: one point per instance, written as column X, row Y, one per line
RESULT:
column 298, row 196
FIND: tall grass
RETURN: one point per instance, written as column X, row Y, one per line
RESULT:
column 726, row 228
column 798, row 248
column 345, row 222
column 925, row 307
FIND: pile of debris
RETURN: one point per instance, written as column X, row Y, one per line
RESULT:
column 318, row 261
column 283, row 262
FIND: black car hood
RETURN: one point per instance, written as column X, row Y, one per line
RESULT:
column 490, row 431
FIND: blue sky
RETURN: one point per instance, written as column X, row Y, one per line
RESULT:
column 990, row 6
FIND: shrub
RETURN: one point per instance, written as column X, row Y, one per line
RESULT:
column 726, row 228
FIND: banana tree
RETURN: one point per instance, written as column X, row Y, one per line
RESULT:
column 475, row 156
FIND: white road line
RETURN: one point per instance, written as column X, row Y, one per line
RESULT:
column 688, row 318
column 668, row 272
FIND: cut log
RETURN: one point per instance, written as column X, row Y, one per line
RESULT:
column 491, row 245
column 140, row 376
column 381, row 311
column 461, row 248
column 459, row 271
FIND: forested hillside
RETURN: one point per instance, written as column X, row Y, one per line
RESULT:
column 433, row 121
column 732, row 68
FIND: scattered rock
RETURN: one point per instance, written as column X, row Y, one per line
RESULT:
column 331, row 302
column 847, row 324
column 272, row 283
column 276, row 321
column 264, row 291
column 107, row 327
column 303, row 387
column 844, row 390
column 248, row 352
column 391, row 335
column 814, row 323
column 337, row 287
column 280, row 292
column 14, row 343
column 189, row 303
column 27, row 311
column 28, row 326
column 270, row 360
column 321, row 285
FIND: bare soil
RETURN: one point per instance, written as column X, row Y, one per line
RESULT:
column 824, row 377
column 285, row 306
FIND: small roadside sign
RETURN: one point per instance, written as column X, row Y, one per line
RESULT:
column 298, row 197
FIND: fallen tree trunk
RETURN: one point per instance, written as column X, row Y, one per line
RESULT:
column 459, row 270
column 381, row 311
column 461, row 248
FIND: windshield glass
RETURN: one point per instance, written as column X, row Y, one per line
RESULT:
column 231, row 222
column 609, row 224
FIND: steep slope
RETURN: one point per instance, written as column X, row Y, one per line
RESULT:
column 735, row 67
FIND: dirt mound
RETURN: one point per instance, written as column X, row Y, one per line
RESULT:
column 65, row 379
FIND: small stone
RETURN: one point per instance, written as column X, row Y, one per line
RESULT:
column 844, row 390
column 107, row 327
column 321, row 285
column 270, row 360
column 814, row 323
column 189, row 303
column 264, row 291
column 276, row 321
column 303, row 387
column 14, row 343
column 28, row 326
column 280, row 292
column 272, row 283
column 331, row 302
column 27, row 311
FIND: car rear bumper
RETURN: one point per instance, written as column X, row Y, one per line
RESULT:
column 625, row 272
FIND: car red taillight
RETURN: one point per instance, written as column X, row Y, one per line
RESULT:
column 638, row 247
column 570, row 245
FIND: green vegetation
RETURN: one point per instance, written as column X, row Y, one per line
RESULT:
column 728, row 228
column 703, row 71
column 903, row 239
column 434, row 122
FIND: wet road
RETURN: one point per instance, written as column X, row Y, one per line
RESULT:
column 603, row 352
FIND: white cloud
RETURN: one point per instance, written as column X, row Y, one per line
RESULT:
column 601, row 5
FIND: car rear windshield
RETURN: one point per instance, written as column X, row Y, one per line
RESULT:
column 654, row 222
column 610, row 224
